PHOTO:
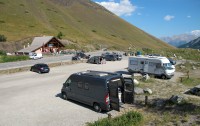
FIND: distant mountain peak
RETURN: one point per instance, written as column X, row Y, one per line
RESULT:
column 195, row 44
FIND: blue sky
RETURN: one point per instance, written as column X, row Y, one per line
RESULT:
column 158, row 17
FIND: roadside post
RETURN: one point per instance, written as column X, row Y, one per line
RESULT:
column 133, row 92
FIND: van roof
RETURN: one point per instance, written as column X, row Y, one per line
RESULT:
column 161, row 58
column 99, row 74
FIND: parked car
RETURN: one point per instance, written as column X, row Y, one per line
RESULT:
column 95, row 59
column 34, row 55
column 110, row 57
column 40, row 68
column 106, row 53
column 173, row 62
column 76, row 58
column 119, row 56
column 82, row 55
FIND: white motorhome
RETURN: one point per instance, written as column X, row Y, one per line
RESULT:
column 34, row 55
column 155, row 65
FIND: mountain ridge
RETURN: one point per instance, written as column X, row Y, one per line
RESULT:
column 81, row 21
column 195, row 44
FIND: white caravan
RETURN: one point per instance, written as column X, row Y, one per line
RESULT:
column 158, row 66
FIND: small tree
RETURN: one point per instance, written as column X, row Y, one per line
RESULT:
column 60, row 34
column 2, row 38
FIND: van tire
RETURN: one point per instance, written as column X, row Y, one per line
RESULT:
column 163, row 76
column 64, row 96
column 97, row 107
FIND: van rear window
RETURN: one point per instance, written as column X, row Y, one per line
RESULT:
column 117, row 81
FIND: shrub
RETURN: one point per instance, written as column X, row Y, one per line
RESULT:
column 1, row 21
column 60, row 34
column 2, row 38
column 94, row 31
column 13, row 58
column 2, row 2
column 2, row 53
column 128, row 119
column 113, row 35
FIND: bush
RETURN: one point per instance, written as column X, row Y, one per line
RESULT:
column 3, row 53
column 13, row 58
column 94, row 31
column 129, row 119
column 2, row 38
column 60, row 34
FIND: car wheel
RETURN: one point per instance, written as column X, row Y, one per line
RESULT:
column 163, row 76
column 64, row 96
column 97, row 107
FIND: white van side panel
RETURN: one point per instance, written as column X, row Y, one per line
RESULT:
column 150, row 65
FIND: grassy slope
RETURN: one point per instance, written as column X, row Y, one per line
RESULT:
column 83, row 23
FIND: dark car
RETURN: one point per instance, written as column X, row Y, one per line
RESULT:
column 104, row 54
column 119, row 56
column 40, row 68
column 95, row 60
column 76, row 58
column 82, row 55
column 173, row 62
column 110, row 57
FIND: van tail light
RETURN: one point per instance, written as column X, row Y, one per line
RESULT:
column 107, row 99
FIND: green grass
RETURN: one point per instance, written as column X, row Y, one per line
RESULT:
column 189, row 54
column 4, row 59
column 190, row 82
column 128, row 119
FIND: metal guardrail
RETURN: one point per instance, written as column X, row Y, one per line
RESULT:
column 27, row 68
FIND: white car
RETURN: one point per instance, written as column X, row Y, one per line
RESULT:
column 35, row 55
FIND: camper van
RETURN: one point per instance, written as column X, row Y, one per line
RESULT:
column 34, row 55
column 155, row 65
column 98, row 89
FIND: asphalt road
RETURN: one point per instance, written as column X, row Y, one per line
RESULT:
column 31, row 99
column 51, row 59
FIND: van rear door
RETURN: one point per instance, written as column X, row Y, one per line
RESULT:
column 128, row 94
column 113, row 94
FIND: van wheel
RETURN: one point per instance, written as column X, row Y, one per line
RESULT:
column 163, row 76
column 97, row 107
column 64, row 96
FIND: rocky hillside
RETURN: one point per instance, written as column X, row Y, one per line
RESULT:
column 81, row 21
column 195, row 44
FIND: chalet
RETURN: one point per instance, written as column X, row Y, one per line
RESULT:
column 45, row 44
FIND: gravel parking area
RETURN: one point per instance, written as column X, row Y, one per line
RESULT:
column 32, row 99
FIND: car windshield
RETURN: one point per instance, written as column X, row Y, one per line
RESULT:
column 168, row 66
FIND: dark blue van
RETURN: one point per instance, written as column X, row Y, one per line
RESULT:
column 96, row 88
